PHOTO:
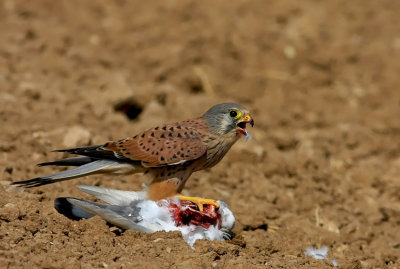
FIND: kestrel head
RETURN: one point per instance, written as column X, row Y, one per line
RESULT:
column 228, row 118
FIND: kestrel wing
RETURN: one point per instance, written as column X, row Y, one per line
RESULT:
column 167, row 145
column 95, row 152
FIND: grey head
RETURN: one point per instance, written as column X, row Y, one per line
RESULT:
column 228, row 117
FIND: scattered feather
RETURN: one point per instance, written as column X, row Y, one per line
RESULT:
column 248, row 136
column 320, row 254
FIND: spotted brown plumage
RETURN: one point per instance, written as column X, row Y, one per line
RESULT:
column 163, row 145
column 169, row 153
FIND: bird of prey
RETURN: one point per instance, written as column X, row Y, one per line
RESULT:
column 168, row 153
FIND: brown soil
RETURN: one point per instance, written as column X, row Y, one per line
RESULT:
column 321, row 78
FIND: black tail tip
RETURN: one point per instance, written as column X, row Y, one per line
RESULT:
column 17, row 184
column 31, row 183
column 64, row 207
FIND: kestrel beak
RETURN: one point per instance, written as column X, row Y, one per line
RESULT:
column 242, row 123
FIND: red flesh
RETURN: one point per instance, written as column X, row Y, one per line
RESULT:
column 188, row 213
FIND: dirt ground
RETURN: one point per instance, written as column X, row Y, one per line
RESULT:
column 320, row 77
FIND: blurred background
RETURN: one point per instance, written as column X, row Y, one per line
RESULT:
column 320, row 77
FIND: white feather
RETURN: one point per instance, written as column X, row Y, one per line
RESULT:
column 113, row 197
column 179, row 162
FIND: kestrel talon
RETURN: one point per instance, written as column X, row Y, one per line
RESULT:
column 169, row 153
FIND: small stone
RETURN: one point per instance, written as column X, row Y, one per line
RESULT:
column 76, row 136
column 332, row 227
column 9, row 212
column 290, row 52
column 365, row 265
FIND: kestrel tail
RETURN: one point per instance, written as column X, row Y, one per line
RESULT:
column 169, row 153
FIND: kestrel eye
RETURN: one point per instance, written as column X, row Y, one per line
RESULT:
column 233, row 114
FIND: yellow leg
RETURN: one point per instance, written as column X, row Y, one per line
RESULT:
column 199, row 201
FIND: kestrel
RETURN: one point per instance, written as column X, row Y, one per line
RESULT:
column 168, row 153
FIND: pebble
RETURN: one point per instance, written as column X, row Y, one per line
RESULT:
column 76, row 136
